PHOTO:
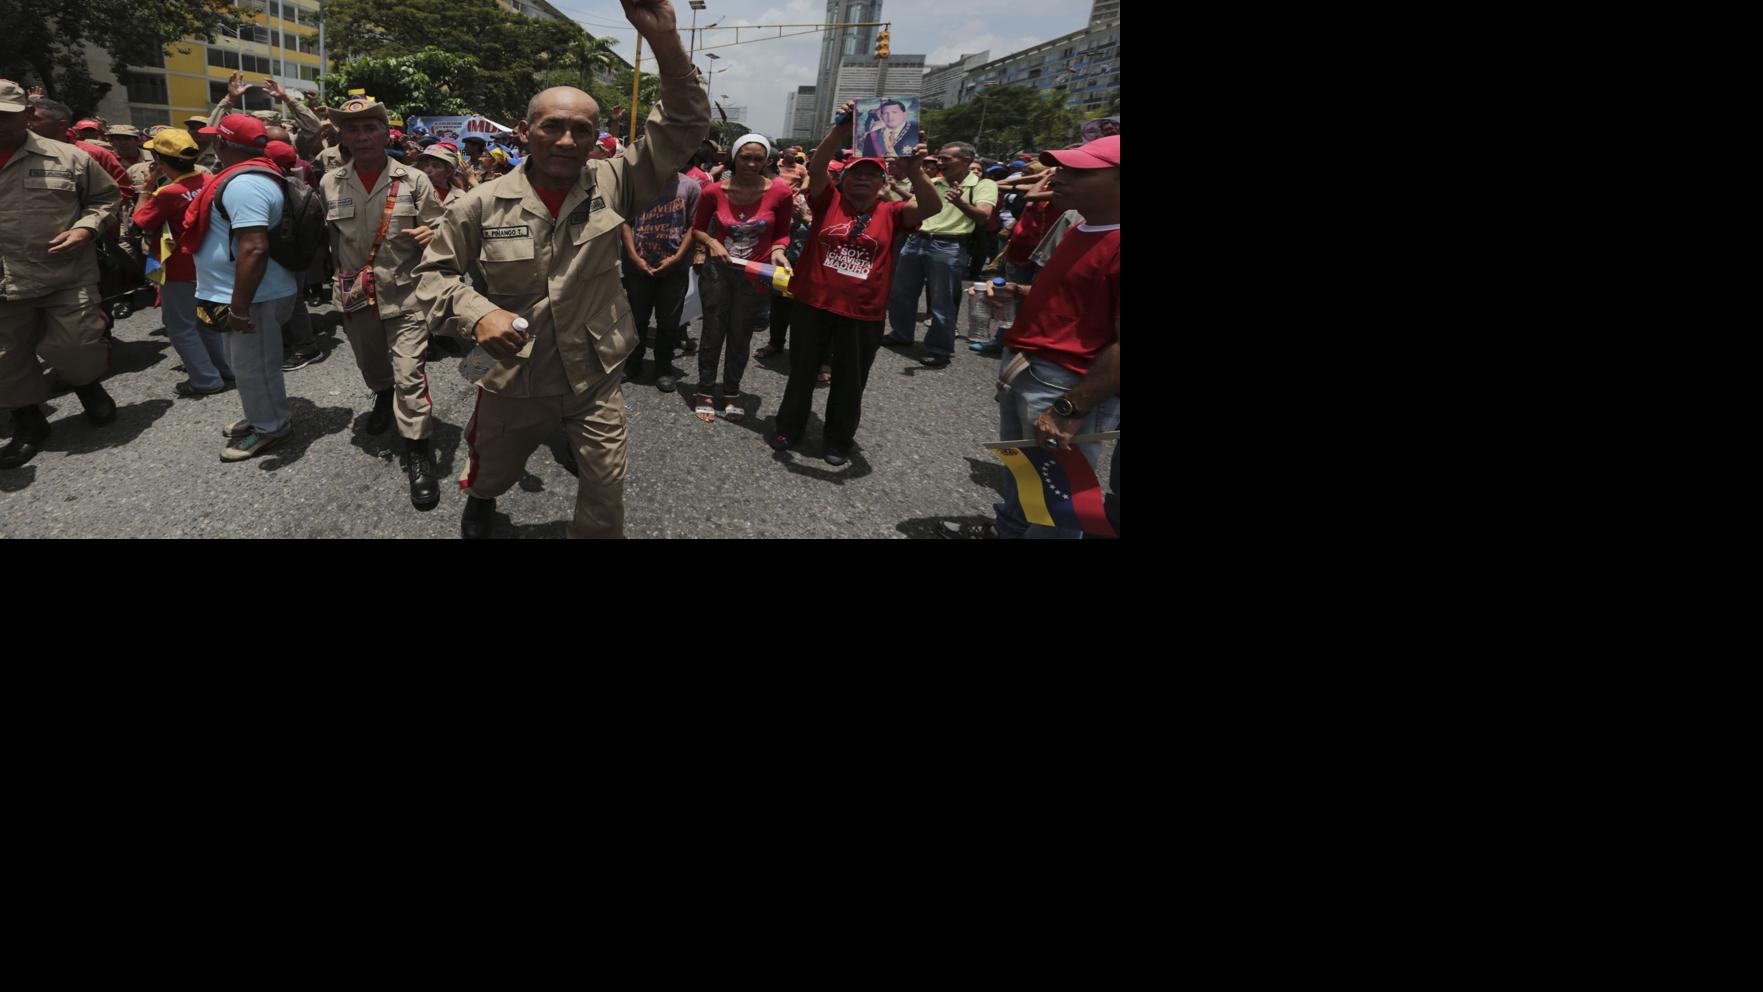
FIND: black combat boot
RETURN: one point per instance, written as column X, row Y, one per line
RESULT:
column 479, row 517
column 419, row 461
column 100, row 408
column 29, row 430
column 381, row 417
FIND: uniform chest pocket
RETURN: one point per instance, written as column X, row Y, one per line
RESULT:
column 508, row 265
column 339, row 210
column 53, row 184
column 403, row 208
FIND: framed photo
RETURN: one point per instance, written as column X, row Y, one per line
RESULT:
column 887, row 127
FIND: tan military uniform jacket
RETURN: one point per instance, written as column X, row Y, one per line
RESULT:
column 561, row 275
column 46, row 188
column 354, row 213
column 330, row 157
column 141, row 176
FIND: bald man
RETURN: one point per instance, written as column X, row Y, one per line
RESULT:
column 546, row 238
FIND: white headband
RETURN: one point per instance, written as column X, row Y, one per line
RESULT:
column 753, row 139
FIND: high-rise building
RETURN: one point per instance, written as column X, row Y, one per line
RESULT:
column 865, row 77
column 942, row 83
column 1104, row 10
column 1084, row 65
column 836, row 46
column 800, row 124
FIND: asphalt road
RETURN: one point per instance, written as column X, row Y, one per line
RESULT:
column 918, row 469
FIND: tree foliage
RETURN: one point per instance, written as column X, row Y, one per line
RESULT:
column 1005, row 119
column 507, row 57
column 45, row 43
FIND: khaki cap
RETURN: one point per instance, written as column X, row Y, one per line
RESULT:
column 267, row 116
column 12, row 98
column 196, row 120
column 358, row 109
column 122, row 131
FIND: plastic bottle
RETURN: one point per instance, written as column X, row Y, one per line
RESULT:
column 1003, row 306
column 478, row 364
column 976, row 323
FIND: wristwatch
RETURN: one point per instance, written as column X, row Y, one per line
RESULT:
column 1062, row 407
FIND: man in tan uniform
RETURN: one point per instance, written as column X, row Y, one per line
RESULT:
column 546, row 237
column 390, row 337
column 54, row 200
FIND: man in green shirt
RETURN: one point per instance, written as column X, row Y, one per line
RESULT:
column 936, row 256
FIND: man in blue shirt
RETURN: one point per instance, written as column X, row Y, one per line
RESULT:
column 242, row 288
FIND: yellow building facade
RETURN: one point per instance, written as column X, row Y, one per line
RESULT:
column 191, row 79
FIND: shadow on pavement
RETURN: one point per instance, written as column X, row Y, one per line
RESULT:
column 311, row 422
column 993, row 475
column 13, row 480
column 76, row 435
column 811, row 464
column 955, row 528
column 133, row 356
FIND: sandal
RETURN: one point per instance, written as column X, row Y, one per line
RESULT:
column 733, row 414
column 706, row 408
column 766, row 351
column 826, row 374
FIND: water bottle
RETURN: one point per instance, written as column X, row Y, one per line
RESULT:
column 976, row 323
column 1003, row 303
column 479, row 362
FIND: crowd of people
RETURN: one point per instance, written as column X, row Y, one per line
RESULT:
column 553, row 248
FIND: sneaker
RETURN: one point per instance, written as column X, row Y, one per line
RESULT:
column 238, row 428
column 990, row 349
column 781, row 442
column 664, row 382
column 298, row 360
column 190, row 392
column 834, row 456
column 934, row 361
column 249, row 446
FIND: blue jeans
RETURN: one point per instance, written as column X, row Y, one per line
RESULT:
column 1030, row 396
column 202, row 348
column 937, row 265
column 256, row 358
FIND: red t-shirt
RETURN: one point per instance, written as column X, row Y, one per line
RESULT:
column 749, row 231
column 700, row 175
column 845, row 275
column 111, row 164
column 168, row 206
column 369, row 178
column 1026, row 236
column 553, row 199
column 1073, row 311
column 5, row 157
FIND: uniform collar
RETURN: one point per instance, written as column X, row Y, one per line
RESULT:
column 516, row 186
column 393, row 170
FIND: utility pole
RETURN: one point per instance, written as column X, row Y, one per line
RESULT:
column 636, row 85
column 324, row 67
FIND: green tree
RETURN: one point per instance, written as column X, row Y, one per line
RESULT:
column 44, row 44
column 1006, row 119
column 514, row 55
column 427, row 81
column 590, row 58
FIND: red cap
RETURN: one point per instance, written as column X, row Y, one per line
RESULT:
column 282, row 154
column 835, row 166
column 609, row 143
column 83, row 125
column 1103, row 153
column 880, row 163
column 394, row 135
column 240, row 129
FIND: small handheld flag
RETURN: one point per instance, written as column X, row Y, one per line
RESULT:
column 765, row 276
column 1057, row 488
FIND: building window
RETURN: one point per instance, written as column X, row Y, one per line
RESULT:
column 223, row 58
column 144, row 117
column 146, row 89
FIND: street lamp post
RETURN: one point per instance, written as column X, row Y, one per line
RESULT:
column 697, row 5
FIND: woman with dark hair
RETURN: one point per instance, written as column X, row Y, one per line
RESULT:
column 841, row 290
column 745, row 218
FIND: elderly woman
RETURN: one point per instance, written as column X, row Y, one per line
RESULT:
column 745, row 218
column 841, row 294
column 440, row 162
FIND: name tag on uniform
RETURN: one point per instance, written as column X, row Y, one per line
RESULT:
column 346, row 201
column 52, row 173
column 499, row 233
column 580, row 216
column 599, row 203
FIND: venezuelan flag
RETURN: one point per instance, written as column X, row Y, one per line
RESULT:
column 166, row 247
column 1057, row 489
column 764, row 276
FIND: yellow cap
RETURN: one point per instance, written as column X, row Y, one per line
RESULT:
column 173, row 143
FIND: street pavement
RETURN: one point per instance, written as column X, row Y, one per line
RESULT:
column 919, row 469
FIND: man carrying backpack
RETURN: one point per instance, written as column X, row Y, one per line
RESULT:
column 379, row 213
column 240, row 290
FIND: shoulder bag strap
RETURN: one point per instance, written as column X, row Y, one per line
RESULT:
column 385, row 222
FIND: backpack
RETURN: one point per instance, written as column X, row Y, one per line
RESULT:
column 297, row 239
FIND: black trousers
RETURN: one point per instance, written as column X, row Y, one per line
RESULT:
column 780, row 323
column 665, row 299
column 852, row 345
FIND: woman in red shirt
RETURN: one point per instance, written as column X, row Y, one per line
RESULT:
column 201, row 347
column 841, row 285
column 746, row 218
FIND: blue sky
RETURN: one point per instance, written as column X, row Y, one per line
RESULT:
column 760, row 75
